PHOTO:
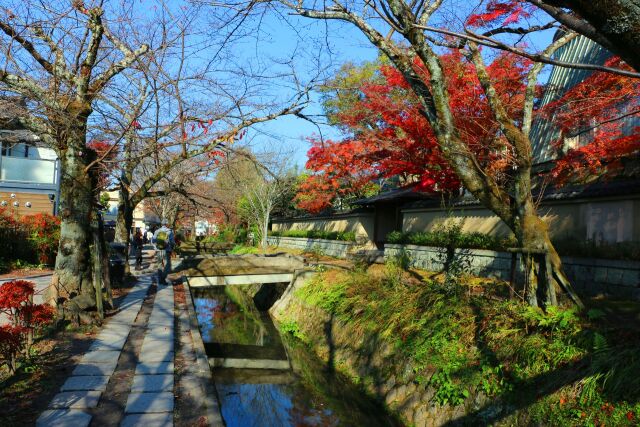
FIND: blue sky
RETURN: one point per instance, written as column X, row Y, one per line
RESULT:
column 339, row 42
column 288, row 134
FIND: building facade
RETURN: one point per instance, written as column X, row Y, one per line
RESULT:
column 29, row 174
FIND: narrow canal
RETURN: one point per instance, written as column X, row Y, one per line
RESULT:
column 265, row 380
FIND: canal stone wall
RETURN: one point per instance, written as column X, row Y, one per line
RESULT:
column 372, row 360
column 589, row 276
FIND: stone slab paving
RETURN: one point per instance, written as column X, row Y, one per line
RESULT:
column 101, row 356
column 156, row 356
column 76, row 399
column 95, row 368
column 85, row 382
column 148, row 420
column 63, row 418
column 83, row 389
column 152, row 383
column 151, row 400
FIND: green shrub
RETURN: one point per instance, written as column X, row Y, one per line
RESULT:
column 451, row 238
column 228, row 235
column 292, row 328
column 242, row 250
column 347, row 236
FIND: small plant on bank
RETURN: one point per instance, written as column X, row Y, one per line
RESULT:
column 26, row 318
column 242, row 250
column 401, row 260
column 292, row 328
column 447, row 391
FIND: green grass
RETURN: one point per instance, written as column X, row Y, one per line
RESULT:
column 555, row 368
column 242, row 250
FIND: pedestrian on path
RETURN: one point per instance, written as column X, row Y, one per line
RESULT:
column 164, row 240
column 138, row 242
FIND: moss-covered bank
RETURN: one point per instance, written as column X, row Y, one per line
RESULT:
column 445, row 353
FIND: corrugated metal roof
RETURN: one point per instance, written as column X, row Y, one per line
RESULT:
column 401, row 195
column 578, row 50
column 628, row 187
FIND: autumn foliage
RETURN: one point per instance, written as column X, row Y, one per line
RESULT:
column 44, row 234
column 502, row 12
column 16, row 302
column 388, row 136
column 597, row 114
column 32, row 238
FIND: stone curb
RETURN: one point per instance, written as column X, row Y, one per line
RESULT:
column 211, row 399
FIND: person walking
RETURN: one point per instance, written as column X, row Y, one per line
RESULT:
column 138, row 242
column 164, row 241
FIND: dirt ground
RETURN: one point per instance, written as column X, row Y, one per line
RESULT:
column 26, row 394
column 55, row 353
column 26, row 272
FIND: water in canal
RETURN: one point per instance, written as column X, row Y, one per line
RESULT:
column 263, row 380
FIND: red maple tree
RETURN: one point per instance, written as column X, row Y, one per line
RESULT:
column 390, row 137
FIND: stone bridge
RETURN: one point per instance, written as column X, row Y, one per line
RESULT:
column 239, row 270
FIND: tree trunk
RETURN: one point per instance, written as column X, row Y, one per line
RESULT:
column 124, row 222
column 542, row 264
column 73, row 269
column 265, row 228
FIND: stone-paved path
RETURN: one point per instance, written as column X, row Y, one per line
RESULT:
column 150, row 395
column 82, row 390
column 151, row 398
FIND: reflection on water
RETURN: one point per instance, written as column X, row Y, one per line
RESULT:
column 307, row 395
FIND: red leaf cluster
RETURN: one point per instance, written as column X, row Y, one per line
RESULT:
column 107, row 165
column 10, row 340
column 16, row 301
column 15, row 294
column 37, row 314
column 44, row 234
column 500, row 11
column 597, row 111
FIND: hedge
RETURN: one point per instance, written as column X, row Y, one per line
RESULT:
column 446, row 238
column 347, row 236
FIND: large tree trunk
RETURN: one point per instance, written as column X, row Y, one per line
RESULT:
column 73, row 268
column 542, row 265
